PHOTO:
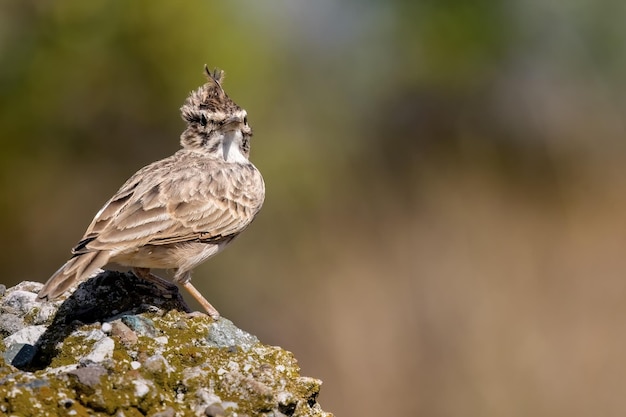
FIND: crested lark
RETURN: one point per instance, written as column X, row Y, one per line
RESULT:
column 177, row 212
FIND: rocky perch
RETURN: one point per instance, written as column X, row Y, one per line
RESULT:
column 118, row 347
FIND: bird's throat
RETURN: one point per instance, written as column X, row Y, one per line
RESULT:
column 231, row 150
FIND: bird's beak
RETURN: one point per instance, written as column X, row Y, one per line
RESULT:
column 232, row 123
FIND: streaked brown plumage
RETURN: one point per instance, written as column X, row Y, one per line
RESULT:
column 177, row 212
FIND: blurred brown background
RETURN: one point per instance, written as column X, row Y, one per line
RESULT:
column 444, row 231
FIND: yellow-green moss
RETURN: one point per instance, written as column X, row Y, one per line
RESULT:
column 250, row 377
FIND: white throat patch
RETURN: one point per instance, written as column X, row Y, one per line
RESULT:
column 231, row 149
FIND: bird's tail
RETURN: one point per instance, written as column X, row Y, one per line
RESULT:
column 79, row 267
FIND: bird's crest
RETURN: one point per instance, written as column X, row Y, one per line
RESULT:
column 209, row 98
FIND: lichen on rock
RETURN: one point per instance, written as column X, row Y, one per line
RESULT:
column 117, row 346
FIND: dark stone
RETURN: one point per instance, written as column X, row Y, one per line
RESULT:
column 20, row 354
column 287, row 409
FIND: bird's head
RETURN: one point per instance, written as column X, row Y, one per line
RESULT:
column 216, row 125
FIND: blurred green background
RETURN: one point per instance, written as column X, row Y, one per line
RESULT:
column 444, row 228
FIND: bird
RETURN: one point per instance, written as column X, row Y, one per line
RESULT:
column 177, row 212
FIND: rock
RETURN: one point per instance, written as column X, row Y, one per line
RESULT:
column 106, row 328
column 87, row 379
column 116, row 346
column 224, row 333
column 28, row 335
column 141, row 325
column 20, row 346
column 142, row 387
column 215, row 410
column 20, row 354
column 102, row 350
column 45, row 314
column 125, row 334
column 19, row 301
column 10, row 324
column 157, row 364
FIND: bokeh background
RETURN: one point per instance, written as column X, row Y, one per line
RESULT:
column 444, row 232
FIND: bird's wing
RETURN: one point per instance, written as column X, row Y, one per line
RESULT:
column 168, row 203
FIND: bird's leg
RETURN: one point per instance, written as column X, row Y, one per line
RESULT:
column 185, row 281
column 162, row 284
column 211, row 311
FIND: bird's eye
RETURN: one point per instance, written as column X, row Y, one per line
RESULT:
column 203, row 120
column 245, row 120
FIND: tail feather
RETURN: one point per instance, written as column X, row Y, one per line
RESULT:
column 78, row 268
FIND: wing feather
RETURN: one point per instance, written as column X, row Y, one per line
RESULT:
column 176, row 200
